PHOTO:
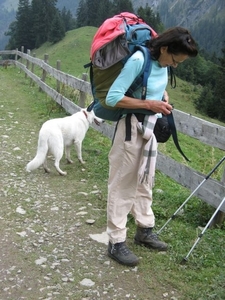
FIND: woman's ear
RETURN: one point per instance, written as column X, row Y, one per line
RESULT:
column 163, row 49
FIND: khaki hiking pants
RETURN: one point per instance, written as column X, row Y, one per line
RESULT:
column 125, row 193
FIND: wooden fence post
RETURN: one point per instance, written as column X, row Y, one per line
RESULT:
column 16, row 55
column 27, row 63
column 58, row 67
column 32, row 70
column 22, row 50
column 83, row 94
column 44, row 73
column 21, row 59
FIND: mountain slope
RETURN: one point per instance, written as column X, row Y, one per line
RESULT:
column 205, row 19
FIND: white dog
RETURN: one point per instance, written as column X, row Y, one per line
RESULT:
column 60, row 133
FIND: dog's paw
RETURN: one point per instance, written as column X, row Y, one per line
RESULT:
column 69, row 161
column 63, row 173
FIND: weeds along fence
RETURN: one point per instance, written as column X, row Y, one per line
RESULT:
column 206, row 132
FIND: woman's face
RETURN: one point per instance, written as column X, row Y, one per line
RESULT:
column 168, row 59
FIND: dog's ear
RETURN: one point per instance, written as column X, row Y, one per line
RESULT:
column 90, row 106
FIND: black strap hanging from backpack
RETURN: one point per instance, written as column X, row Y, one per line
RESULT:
column 173, row 131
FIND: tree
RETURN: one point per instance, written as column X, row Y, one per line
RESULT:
column 12, row 33
column 57, row 31
column 220, row 88
column 206, row 103
column 212, row 99
column 81, row 15
column 151, row 18
column 20, row 30
column 43, row 12
column 93, row 12
column 104, row 11
column 37, row 23
column 119, row 6
column 68, row 20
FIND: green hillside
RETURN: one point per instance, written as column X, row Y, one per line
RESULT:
column 74, row 52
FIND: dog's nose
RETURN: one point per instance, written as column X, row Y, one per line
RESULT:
column 97, row 122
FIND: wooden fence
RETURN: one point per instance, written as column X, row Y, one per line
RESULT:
column 206, row 132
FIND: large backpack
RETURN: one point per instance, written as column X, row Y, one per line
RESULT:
column 114, row 42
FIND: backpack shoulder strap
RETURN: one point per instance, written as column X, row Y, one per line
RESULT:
column 142, row 79
column 91, row 105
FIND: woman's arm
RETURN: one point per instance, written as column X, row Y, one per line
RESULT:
column 153, row 105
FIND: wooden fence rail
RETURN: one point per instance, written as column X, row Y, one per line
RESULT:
column 206, row 132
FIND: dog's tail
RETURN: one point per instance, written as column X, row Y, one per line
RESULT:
column 39, row 159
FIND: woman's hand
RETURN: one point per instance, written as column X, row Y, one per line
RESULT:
column 159, row 106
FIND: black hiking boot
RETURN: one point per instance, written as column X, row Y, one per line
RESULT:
column 122, row 254
column 145, row 237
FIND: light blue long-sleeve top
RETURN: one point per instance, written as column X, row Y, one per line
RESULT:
column 156, row 85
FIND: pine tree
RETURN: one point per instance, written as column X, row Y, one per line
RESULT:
column 92, row 12
column 38, row 26
column 43, row 12
column 68, row 20
column 104, row 11
column 205, row 103
column 12, row 33
column 119, row 6
column 212, row 99
column 220, row 88
column 57, row 31
column 151, row 18
column 22, row 32
column 81, row 15
column 36, row 23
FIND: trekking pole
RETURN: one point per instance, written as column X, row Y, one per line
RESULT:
column 184, row 260
column 182, row 205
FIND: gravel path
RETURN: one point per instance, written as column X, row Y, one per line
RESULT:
column 49, row 248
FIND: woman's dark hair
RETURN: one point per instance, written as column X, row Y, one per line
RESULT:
column 177, row 39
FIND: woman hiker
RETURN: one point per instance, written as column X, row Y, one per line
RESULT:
column 133, row 154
